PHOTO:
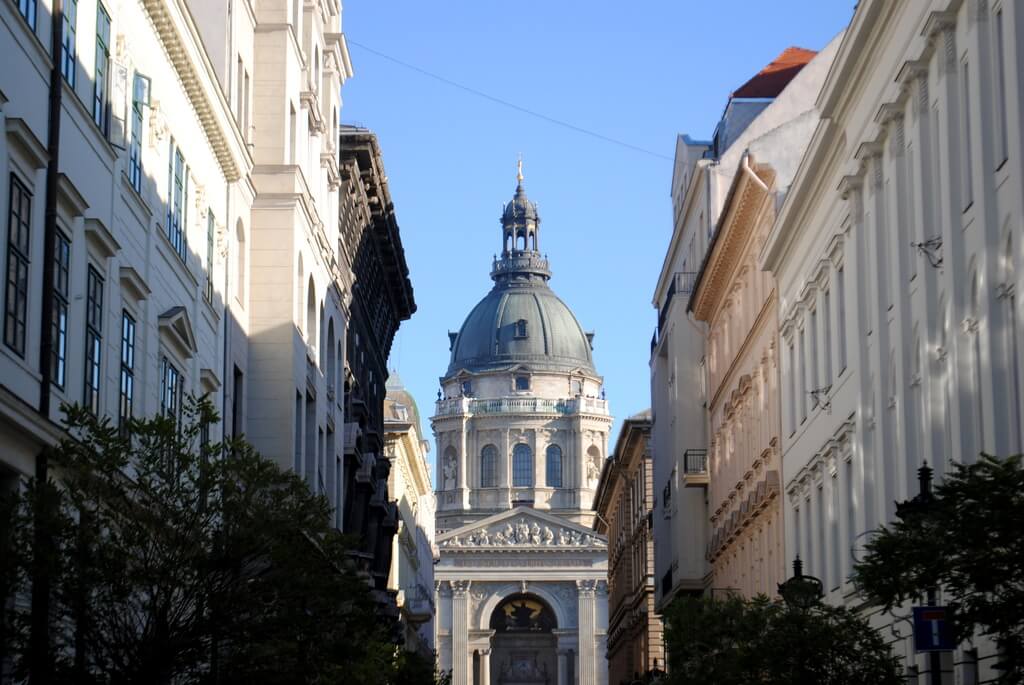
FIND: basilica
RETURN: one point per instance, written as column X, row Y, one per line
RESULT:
column 522, row 427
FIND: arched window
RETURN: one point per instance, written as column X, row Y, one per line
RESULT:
column 316, row 68
column 553, row 465
column 489, row 466
column 299, row 321
column 240, row 263
column 329, row 353
column 522, row 466
column 311, row 313
column 520, row 331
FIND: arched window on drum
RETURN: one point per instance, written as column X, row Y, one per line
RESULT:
column 553, row 465
column 522, row 466
column 489, row 466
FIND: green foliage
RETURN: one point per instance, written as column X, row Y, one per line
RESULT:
column 734, row 641
column 968, row 541
column 172, row 559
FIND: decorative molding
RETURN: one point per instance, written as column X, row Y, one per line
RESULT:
column 522, row 532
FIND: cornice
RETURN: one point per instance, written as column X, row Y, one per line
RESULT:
column 180, row 38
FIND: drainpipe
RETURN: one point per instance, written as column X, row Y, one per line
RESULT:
column 40, row 663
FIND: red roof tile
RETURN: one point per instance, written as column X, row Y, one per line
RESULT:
column 770, row 81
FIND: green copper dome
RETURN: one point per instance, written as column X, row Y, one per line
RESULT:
column 521, row 320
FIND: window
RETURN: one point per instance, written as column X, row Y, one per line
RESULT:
column 1002, row 145
column 522, row 466
column 59, row 341
column 520, row 329
column 813, row 350
column 841, row 326
column 576, row 387
column 489, row 466
column 93, row 339
column 966, row 178
column 553, row 463
column 19, row 222
column 67, row 53
column 293, row 151
column 177, row 199
column 27, row 9
column 522, row 382
column 791, row 387
column 210, row 226
column 126, row 405
column 802, row 385
column 467, row 388
column 100, row 111
column 826, row 312
column 172, row 387
column 240, row 265
column 140, row 98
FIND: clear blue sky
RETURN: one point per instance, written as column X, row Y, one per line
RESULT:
column 639, row 72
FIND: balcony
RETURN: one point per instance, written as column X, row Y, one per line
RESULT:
column 416, row 604
column 458, row 406
column 695, row 468
column 351, row 434
column 682, row 284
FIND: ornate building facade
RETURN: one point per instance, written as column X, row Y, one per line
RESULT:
column 624, row 504
column 522, row 434
column 412, row 551
column 897, row 254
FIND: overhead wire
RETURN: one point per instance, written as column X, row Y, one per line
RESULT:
column 511, row 105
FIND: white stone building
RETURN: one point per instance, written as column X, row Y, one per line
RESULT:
column 197, row 243
column 776, row 104
column 413, row 550
column 152, row 205
column 522, row 435
column 897, row 255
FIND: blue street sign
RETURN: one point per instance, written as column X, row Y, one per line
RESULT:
column 933, row 630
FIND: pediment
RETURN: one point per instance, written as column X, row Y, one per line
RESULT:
column 175, row 324
column 520, row 529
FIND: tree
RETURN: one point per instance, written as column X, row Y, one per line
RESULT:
column 173, row 559
column 965, row 539
column 734, row 641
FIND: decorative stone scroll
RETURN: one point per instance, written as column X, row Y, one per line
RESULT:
column 523, row 533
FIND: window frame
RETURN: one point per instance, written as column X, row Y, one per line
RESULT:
column 172, row 388
column 210, row 231
column 126, row 376
column 28, row 9
column 177, row 200
column 19, row 249
column 522, row 466
column 69, row 40
column 60, row 294
column 140, row 99
column 101, row 72
column 553, row 472
column 489, row 466
column 93, row 371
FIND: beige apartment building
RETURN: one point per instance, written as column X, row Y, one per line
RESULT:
column 737, row 302
column 624, row 503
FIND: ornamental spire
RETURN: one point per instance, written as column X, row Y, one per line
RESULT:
column 519, row 170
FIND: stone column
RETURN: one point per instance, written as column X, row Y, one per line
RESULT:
column 587, row 628
column 485, row 666
column 443, row 624
column 462, row 664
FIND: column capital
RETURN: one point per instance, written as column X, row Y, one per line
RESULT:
column 586, row 588
column 485, row 652
column 443, row 587
column 460, row 587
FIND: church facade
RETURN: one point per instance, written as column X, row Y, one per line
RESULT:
column 522, row 427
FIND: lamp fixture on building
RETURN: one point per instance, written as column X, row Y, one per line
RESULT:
column 801, row 592
column 931, row 249
column 819, row 396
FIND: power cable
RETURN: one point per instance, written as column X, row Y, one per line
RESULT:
column 511, row 105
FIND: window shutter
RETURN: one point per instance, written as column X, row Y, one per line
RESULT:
column 118, row 104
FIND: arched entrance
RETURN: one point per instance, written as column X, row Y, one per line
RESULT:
column 523, row 649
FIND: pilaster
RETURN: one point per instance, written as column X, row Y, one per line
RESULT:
column 585, row 590
column 462, row 665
